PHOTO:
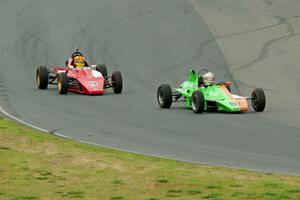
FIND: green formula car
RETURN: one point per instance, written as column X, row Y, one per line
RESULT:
column 201, row 93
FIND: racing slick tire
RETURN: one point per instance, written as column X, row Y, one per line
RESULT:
column 41, row 77
column 117, row 82
column 258, row 100
column 197, row 102
column 102, row 69
column 164, row 96
column 62, row 83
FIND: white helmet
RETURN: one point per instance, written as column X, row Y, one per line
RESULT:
column 209, row 77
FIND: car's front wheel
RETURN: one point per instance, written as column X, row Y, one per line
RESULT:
column 258, row 100
column 197, row 102
column 62, row 83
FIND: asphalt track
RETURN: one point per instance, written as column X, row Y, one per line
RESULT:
column 252, row 43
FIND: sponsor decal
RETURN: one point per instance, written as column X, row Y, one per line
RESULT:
column 213, row 93
column 92, row 83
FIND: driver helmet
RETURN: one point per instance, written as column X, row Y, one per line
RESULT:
column 79, row 61
column 209, row 77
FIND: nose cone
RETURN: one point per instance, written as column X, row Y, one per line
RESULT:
column 240, row 105
column 243, row 104
column 93, row 85
column 233, row 106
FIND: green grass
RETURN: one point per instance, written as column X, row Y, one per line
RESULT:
column 35, row 166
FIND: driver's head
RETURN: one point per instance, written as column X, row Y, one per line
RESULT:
column 79, row 61
column 76, row 53
column 209, row 77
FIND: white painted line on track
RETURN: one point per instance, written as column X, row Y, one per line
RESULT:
column 63, row 136
column 83, row 141
column 116, row 148
column 22, row 121
column 31, row 125
column 91, row 143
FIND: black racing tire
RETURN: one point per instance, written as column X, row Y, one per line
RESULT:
column 164, row 96
column 197, row 102
column 102, row 69
column 258, row 100
column 117, row 82
column 42, row 77
column 62, row 83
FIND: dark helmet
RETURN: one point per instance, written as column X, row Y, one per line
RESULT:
column 76, row 53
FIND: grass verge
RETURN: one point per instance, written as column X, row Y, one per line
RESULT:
column 35, row 166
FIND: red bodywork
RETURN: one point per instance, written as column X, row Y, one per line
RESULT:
column 82, row 80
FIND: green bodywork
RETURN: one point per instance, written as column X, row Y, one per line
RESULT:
column 215, row 96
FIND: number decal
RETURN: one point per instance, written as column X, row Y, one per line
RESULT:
column 93, row 83
column 213, row 93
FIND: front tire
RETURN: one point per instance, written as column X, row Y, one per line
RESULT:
column 164, row 96
column 117, row 82
column 258, row 100
column 41, row 77
column 197, row 102
column 62, row 83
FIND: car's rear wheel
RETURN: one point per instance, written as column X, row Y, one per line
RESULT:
column 62, row 83
column 102, row 69
column 164, row 96
column 258, row 100
column 197, row 102
column 41, row 77
column 117, row 82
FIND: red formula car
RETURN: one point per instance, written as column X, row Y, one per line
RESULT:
column 90, row 80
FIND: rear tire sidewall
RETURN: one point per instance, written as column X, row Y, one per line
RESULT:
column 258, row 100
column 102, row 69
column 62, row 83
column 117, row 82
column 164, row 96
column 197, row 102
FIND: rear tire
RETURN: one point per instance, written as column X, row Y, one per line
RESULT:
column 164, row 96
column 258, row 100
column 102, row 69
column 41, row 77
column 197, row 102
column 62, row 83
column 117, row 82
